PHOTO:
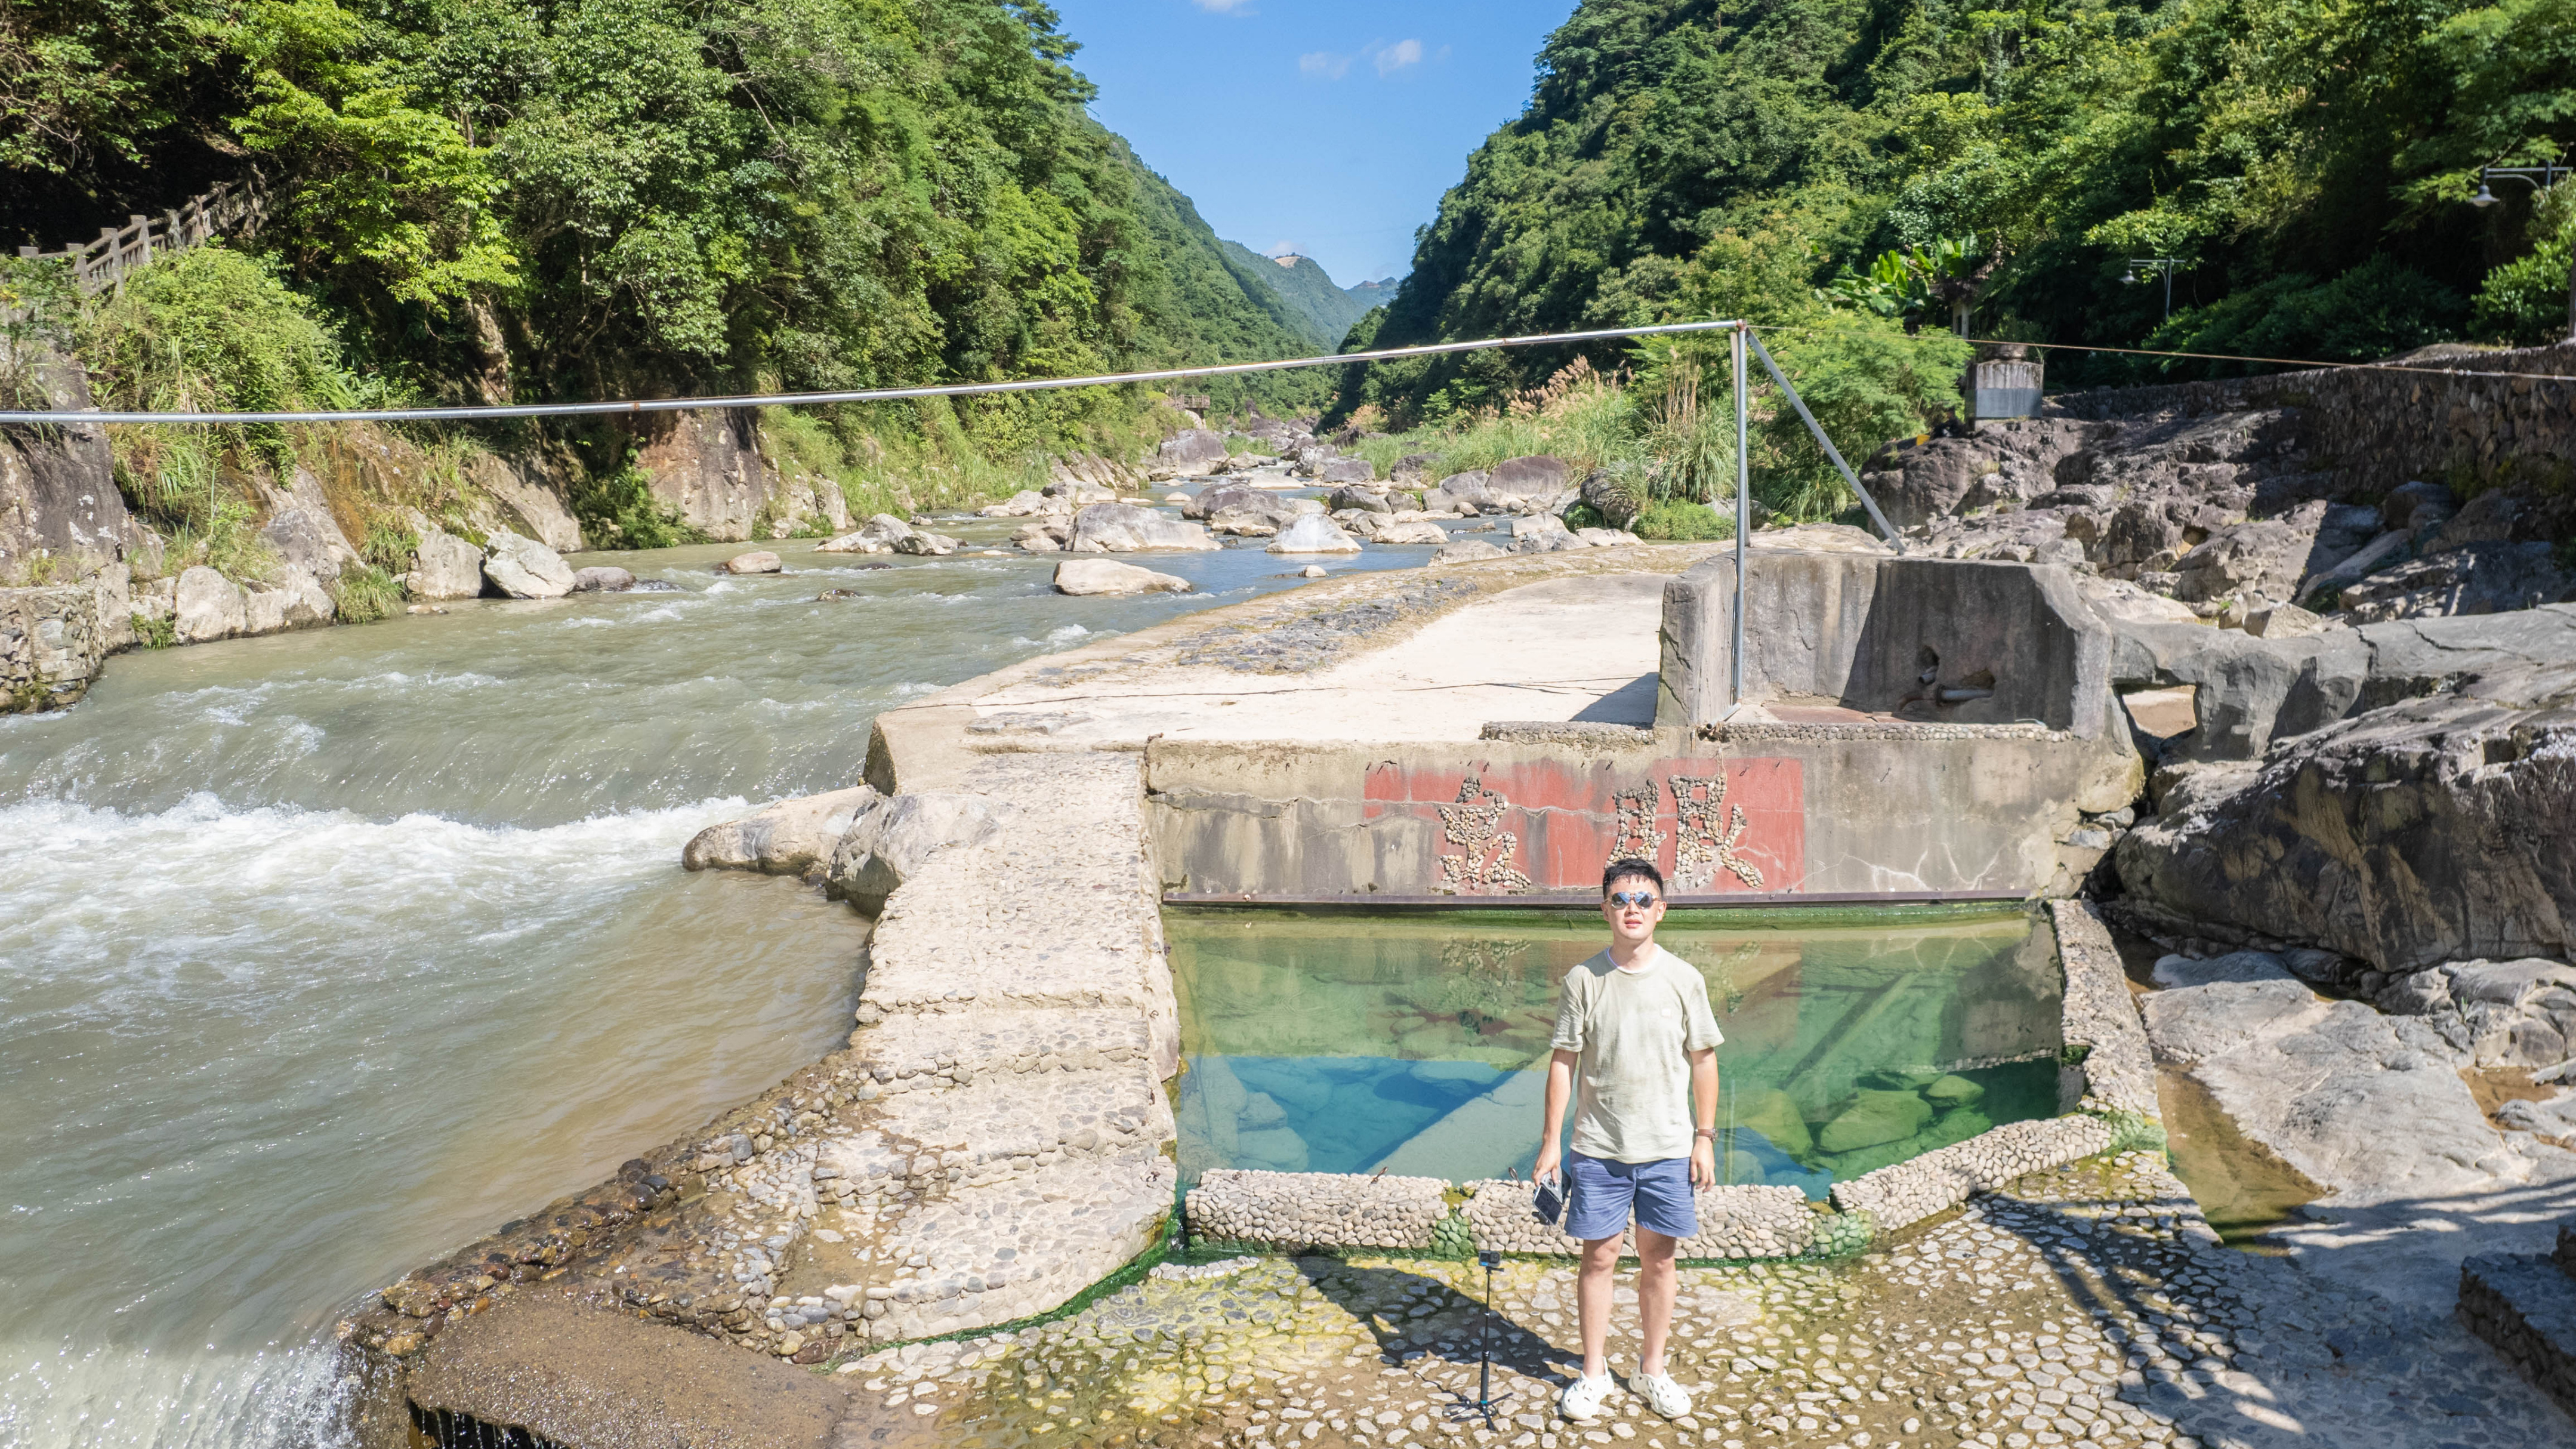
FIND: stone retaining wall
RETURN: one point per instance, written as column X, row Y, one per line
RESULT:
column 50, row 646
column 2525, row 1306
column 1741, row 1221
column 2100, row 1015
column 1295, row 1211
column 1904, row 1193
column 2375, row 430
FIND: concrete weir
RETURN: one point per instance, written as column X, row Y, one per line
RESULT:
column 997, row 1136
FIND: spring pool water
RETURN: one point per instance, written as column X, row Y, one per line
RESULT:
column 1419, row 1044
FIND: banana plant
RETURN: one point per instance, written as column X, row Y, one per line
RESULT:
column 1921, row 281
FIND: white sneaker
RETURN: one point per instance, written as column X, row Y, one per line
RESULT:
column 1661, row 1394
column 1582, row 1398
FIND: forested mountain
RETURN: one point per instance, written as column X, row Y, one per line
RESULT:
column 564, row 198
column 2306, row 165
column 1325, row 311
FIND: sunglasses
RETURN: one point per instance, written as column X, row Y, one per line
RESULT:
column 1639, row 899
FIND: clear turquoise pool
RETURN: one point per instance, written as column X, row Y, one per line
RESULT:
column 1418, row 1045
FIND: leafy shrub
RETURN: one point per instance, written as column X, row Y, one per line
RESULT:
column 389, row 547
column 1679, row 520
column 617, row 510
column 2525, row 300
column 156, row 631
column 2375, row 309
column 364, row 593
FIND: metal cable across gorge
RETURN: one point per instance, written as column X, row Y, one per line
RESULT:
column 879, row 394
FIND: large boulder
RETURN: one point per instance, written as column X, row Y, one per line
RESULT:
column 602, row 579
column 758, row 561
column 1617, row 499
column 1367, row 499
column 1127, row 528
column 207, row 606
column 1410, row 533
column 1874, row 1118
column 892, row 837
column 1345, row 470
column 1019, row 505
column 786, row 837
column 1543, row 533
column 923, row 542
column 1219, row 496
column 1462, row 494
column 296, row 600
column 1314, row 533
column 1192, row 453
column 522, row 568
column 2423, row 822
column 1413, row 467
column 2501, row 1013
column 1108, row 576
column 303, row 531
column 445, row 567
column 1529, row 477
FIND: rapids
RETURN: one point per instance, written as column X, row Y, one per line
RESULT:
column 323, row 953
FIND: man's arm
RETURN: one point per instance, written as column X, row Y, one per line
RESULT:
column 1704, row 1113
column 1560, row 1088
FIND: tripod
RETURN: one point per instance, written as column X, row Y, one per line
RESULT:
column 1489, row 1260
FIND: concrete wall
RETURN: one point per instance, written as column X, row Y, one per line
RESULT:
column 1764, row 810
column 1864, row 631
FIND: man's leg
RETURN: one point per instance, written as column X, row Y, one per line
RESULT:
column 1592, row 1301
column 1656, row 1285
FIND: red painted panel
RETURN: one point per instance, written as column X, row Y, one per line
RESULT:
column 1711, row 825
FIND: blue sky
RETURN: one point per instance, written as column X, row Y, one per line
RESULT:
column 1330, row 126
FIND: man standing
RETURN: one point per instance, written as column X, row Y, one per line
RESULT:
column 1633, row 1026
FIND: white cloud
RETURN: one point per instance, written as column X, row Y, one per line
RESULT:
column 1393, row 58
column 1323, row 63
column 1226, row 7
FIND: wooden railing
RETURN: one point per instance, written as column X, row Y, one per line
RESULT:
column 233, row 208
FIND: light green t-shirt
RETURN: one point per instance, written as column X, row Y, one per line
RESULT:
column 1633, row 1032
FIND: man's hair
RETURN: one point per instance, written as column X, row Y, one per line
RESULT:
column 1629, row 865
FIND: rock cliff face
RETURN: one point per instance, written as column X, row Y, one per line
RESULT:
column 50, row 646
column 58, row 490
column 708, row 470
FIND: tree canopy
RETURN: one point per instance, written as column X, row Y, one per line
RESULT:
column 2308, row 165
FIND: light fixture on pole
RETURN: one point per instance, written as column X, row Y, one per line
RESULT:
column 2164, row 265
column 2539, row 178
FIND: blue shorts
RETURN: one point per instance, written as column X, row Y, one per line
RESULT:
column 1603, row 1193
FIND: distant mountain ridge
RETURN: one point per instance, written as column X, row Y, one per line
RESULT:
column 1321, row 310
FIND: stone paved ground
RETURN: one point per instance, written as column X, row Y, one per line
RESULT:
column 2086, row 1306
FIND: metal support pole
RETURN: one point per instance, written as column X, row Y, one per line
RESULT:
column 1824, row 442
column 1743, row 516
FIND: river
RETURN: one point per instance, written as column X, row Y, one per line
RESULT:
column 323, row 953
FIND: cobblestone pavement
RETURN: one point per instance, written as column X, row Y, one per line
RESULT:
column 2084, row 1306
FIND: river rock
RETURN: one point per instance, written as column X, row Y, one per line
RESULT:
column 2418, row 504
column 309, row 539
column 1084, row 576
column 1046, row 537
column 891, row 837
column 1217, row 496
column 2267, row 558
column 1613, row 497
column 1466, row 550
column 787, row 837
column 925, row 543
column 1370, row 500
column 758, row 561
column 1410, row 533
column 878, row 535
column 1344, row 470
column 2502, row 1013
column 1126, row 528
column 296, row 601
column 1313, row 533
column 1874, row 1118
column 1019, row 505
column 2282, row 621
column 207, row 606
column 523, row 568
column 1543, row 533
column 445, row 567
column 1192, row 453
column 602, row 579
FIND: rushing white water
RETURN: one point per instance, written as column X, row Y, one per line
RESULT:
column 325, row 953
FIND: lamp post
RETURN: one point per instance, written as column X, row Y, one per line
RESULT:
column 2164, row 265
column 2538, row 178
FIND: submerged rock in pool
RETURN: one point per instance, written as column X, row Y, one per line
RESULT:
column 1953, row 1091
column 1774, row 1114
column 1274, row 1148
column 1873, row 1118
